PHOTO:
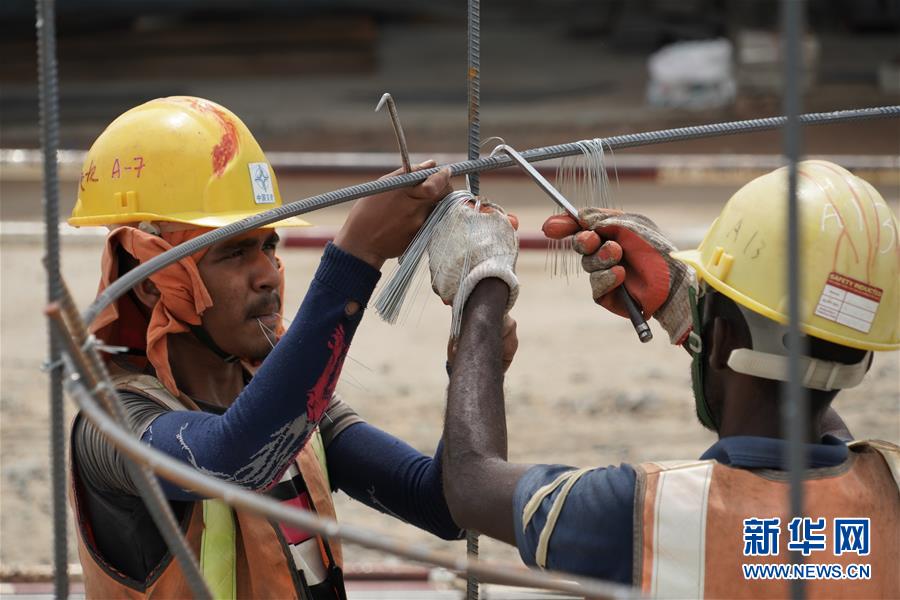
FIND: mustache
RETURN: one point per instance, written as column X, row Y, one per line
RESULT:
column 264, row 306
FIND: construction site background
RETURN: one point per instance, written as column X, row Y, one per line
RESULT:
column 307, row 80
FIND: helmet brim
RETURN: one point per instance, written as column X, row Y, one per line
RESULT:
column 196, row 219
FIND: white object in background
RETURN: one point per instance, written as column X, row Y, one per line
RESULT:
column 692, row 75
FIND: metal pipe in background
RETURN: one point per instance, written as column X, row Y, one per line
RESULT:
column 794, row 403
column 48, row 94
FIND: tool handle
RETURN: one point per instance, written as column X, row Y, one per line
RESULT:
column 637, row 319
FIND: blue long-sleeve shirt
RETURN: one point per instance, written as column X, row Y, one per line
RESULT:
column 593, row 533
column 256, row 438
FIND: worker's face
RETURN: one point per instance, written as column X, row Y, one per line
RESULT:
column 243, row 279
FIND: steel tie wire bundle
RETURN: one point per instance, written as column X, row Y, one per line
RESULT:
column 65, row 323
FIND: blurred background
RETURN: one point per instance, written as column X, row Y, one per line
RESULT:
column 306, row 76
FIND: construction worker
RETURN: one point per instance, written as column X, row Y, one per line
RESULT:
column 192, row 378
column 719, row 526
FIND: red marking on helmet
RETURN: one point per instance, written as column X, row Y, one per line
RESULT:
column 227, row 148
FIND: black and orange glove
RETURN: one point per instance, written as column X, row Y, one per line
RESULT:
column 628, row 248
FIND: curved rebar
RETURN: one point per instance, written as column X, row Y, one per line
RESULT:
column 186, row 476
column 630, row 140
column 48, row 100
column 83, row 354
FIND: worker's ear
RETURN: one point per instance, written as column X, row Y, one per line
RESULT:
column 147, row 292
column 721, row 343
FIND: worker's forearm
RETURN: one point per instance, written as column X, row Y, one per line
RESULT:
column 478, row 481
column 476, row 418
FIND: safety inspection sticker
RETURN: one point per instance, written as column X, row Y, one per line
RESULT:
column 263, row 192
column 849, row 302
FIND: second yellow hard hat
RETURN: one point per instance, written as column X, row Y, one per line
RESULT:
column 849, row 254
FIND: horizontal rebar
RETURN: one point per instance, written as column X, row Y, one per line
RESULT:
column 630, row 140
column 190, row 478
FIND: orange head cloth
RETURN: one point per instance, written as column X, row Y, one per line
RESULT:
column 183, row 297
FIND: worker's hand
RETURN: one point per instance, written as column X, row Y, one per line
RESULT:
column 510, row 343
column 382, row 226
column 473, row 246
column 619, row 247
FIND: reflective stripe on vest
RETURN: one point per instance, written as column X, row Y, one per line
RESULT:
column 679, row 531
column 218, row 553
column 689, row 526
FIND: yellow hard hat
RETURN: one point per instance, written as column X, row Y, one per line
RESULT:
column 179, row 159
column 850, row 259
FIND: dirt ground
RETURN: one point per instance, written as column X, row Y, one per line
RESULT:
column 581, row 391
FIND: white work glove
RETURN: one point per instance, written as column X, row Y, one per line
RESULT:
column 622, row 247
column 472, row 246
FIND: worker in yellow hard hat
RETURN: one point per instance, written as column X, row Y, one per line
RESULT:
column 719, row 526
column 208, row 374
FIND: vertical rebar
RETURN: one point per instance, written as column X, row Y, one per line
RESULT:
column 794, row 404
column 474, row 88
column 48, row 99
column 474, row 96
column 77, row 346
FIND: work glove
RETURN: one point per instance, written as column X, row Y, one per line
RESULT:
column 473, row 246
column 619, row 247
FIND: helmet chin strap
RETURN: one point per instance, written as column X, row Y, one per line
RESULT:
column 698, row 355
column 768, row 359
column 205, row 339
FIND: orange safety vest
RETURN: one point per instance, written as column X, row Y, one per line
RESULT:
column 690, row 530
column 263, row 565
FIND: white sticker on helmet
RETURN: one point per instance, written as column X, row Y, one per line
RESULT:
column 261, row 180
column 849, row 302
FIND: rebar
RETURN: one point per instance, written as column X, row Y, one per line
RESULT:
column 141, row 272
column 184, row 475
column 794, row 402
column 473, row 87
column 386, row 98
column 80, row 349
column 48, row 96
